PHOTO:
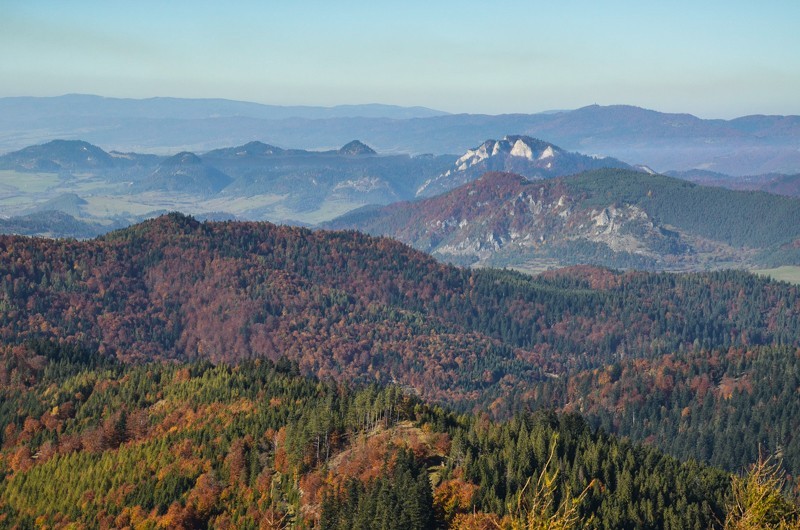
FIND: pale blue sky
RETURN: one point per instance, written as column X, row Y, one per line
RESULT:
column 709, row 58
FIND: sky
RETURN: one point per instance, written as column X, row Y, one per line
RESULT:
column 713, row 59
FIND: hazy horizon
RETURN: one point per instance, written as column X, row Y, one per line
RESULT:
column 378, row 103
column 715, row 60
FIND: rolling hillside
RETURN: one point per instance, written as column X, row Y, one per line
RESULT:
column 354, row 308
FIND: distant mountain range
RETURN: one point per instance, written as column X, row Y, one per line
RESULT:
column 749, row 145
column 85, row 105
column 617, row 216
column 253, row 181
column 612, row 217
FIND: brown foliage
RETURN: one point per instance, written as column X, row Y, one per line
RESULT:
column 22, row 459
column 179, row 517
column 236, row 462
column 204, row 496
column 452, row 498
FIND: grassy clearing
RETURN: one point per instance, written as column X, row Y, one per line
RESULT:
column 329, row 209
column 109, row 205
column 239, row 205
column 785, row 273
column 28, row 182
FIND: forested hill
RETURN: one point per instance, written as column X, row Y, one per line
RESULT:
column 89, row 443
column 608, row 217
column 349, row 306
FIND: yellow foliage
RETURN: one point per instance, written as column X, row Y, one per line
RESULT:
column 758, row 502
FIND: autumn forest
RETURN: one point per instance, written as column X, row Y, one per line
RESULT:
column 179, row 374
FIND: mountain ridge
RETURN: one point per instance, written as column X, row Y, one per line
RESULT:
column 199, row 108
column 611, row 217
